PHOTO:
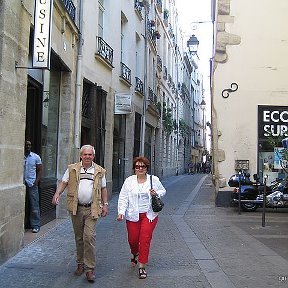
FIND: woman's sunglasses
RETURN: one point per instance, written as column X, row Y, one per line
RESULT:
column 140, row 167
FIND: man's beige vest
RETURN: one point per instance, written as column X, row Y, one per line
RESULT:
column 73, row 186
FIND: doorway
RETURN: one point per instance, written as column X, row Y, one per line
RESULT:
column 32, row 130
column 118, row 165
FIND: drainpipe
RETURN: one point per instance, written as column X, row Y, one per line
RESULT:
column 177, row 110
column 143, row 119
column 78, row 84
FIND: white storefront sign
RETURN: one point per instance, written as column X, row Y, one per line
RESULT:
column 42, row 29
column 123, row 103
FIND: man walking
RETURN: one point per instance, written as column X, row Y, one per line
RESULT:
column 32, row 175
column 87, row 200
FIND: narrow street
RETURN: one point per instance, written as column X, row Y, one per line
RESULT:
column 195, row 245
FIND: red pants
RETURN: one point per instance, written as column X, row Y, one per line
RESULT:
column 140, row 236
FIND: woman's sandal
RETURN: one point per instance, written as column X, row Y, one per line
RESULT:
column 142, row 273
column 134, row 260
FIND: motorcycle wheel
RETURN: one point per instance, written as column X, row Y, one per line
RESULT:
column 249, row 207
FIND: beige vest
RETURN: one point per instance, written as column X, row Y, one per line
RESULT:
column 73, row 185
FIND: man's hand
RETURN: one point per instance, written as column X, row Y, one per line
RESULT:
column 61, row 187
column 56, row 198
column 104, row 210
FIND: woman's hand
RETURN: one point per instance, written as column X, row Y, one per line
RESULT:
column 120, row 217
column 153, row 192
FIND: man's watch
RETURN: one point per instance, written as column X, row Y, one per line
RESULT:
column 106, row 203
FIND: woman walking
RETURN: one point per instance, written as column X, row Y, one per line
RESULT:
column 134, row 204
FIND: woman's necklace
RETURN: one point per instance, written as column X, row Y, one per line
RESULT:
column 140, row 187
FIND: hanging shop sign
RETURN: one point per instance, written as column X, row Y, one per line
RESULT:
column 42, row 34
column 272, row 121
column 123, row 103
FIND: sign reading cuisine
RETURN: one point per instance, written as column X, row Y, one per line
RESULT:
column 42, row 27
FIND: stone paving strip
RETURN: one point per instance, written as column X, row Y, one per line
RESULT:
column 214, row 274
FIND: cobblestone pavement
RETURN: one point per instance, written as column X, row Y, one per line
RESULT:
column 195, row 244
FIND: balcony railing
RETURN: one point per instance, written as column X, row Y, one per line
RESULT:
column 151, row 30
column 104, row 50
column 159, row 5
column 159, row 63
column 70, row 8
column 139, row 87
column 152, row 97
column 173, row 87
column 169, row 80
column 170, row 30
column 165, row 73
column 125, row 72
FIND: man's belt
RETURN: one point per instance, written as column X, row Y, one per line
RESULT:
column 84, row 205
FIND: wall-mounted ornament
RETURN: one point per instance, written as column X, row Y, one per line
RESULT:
column 233, row 88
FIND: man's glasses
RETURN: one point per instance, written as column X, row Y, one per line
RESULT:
column 140, row 167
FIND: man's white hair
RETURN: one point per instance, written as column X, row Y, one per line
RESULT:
column 87, row 147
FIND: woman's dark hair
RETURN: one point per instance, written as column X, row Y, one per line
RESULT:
column 142, row 159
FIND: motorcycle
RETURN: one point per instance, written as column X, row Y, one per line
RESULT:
column 252, row 193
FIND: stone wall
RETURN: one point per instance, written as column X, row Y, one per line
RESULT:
column 14, row 43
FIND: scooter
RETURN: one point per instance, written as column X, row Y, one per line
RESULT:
column 252, row 193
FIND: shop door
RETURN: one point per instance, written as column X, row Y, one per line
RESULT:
column 118, row 152
column 33, row 129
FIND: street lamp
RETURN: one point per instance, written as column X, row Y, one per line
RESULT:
column 192, row 44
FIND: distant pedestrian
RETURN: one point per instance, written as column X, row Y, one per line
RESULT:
column 87, row 200
column 32, row 176
column 198, row 167
column 190, row 168
column 135, row 205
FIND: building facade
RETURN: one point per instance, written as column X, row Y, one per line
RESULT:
column 117, row 78
column 249, row 91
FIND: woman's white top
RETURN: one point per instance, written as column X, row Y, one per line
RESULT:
column 135, row 198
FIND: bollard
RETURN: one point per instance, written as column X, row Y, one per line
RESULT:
column 264, row 201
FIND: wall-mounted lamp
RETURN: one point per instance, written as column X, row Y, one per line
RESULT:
column 203, row 104
column 46, row 100
column 192, row 44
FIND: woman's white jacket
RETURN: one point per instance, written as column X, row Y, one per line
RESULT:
column 128, row 197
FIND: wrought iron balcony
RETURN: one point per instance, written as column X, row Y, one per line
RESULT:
column 173, row 87
column 71, row 9
column 139, row 86
column 152, row 97
column 159, row 63
column 125, row 72
column 165, row 73
column 169, row 80
column 170, row 30
column 151, row 30
column 159, row 5
column 104, row 50
column 138, row 7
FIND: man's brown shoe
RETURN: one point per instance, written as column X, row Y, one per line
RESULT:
column 90, row 276
column 80, row 270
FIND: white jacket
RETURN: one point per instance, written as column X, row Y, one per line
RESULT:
column 128, row 197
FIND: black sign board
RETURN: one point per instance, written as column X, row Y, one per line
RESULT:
column 272, row 121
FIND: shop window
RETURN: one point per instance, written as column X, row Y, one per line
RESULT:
column 272, row 127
